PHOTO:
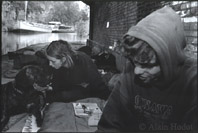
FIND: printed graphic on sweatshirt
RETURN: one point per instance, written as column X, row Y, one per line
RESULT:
column 152, row 111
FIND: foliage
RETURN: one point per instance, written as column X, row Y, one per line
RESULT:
column 84, row 15
column 83, row 28
column 34, row 8
column 67, row 12
column 17, row 6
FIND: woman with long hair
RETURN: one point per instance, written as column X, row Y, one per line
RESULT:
column 75, row 75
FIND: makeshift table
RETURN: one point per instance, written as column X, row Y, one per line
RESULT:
column 60, row 117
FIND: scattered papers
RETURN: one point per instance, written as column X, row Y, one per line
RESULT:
column 85, row 109
column 93, row 120
column 90, row 110
column 30, row 124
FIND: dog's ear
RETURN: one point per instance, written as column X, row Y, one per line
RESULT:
column 22, row 81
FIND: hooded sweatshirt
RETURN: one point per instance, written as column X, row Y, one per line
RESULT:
column 169, row 106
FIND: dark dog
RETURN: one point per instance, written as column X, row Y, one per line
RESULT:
column 21, row 95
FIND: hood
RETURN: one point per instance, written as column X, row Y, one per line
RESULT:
column 164, row 32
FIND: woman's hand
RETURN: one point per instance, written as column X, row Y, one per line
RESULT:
column 42, row 89
column 84, row 84
column 49, row 88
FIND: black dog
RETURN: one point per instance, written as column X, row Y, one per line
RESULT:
column 21, row 96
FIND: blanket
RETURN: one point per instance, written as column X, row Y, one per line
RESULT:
column 60, row 117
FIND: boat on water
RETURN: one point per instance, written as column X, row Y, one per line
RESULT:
column 58, row 27
column 64, row 29
column 51, row 27
column 25, row 26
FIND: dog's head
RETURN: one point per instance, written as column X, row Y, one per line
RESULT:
column 28, row 80
column 31, row 75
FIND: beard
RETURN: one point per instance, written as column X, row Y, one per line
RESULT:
column 141, row 83
column 152, row 82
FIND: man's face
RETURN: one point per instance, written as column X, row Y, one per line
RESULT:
column 144, row 59
column 147, row 71
column 55, row 63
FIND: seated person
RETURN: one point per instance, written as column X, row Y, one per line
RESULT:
column 160, row 90
column 75, row 76
column 28, row 56
column 103, row 59
column 85, row 49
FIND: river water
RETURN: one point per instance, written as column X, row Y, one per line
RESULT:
column 13, row 41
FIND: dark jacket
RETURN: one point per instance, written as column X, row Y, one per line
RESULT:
column 81, row 81
column 105, row 61
column 85, row 49
column 170, row 106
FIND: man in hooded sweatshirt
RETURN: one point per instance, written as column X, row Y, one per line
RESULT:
column 159, row 91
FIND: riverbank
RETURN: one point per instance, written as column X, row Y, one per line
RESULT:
column 12, row 41
column 8, row 25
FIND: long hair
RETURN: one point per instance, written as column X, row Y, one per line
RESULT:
column 59, row 49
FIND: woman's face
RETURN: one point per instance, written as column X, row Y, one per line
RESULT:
column 54, row 62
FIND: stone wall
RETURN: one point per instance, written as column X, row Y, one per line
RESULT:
column 112, row 19
column 145, row 8
column 188, row 10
